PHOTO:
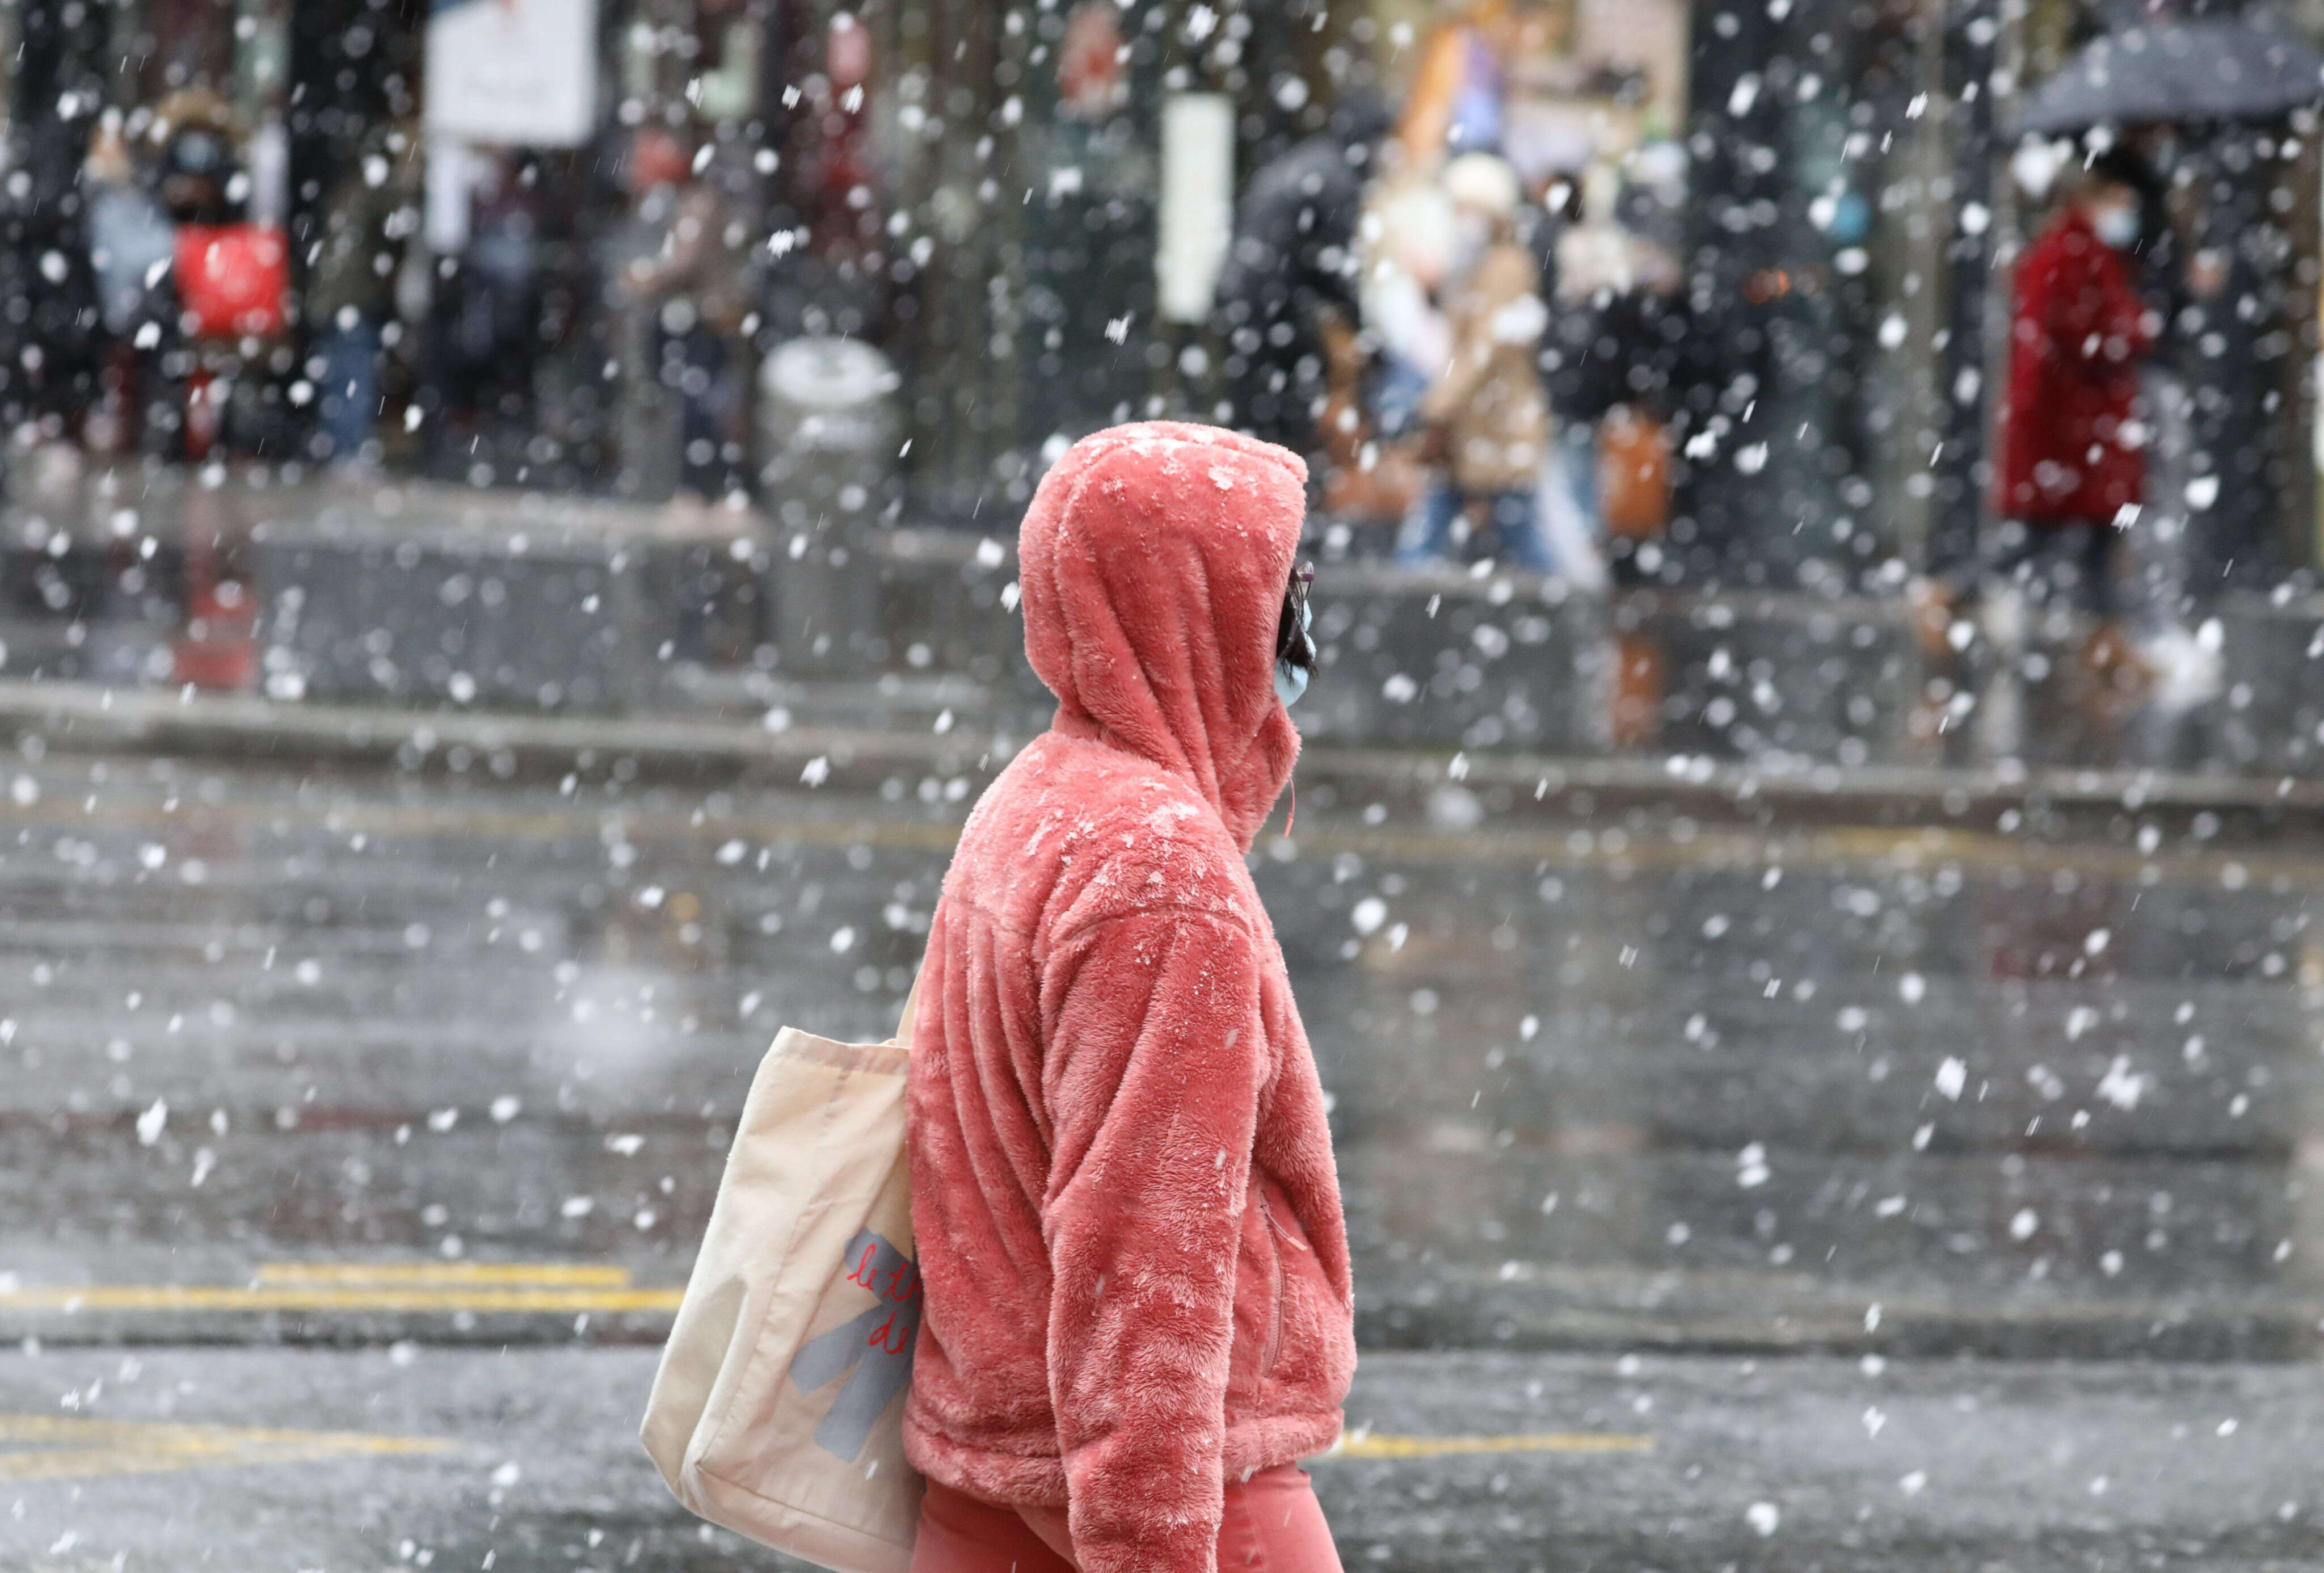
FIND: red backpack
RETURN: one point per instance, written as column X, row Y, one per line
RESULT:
column 234, row 279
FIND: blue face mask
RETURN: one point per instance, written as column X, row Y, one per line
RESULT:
column 1291, row 681
column 2116, row 225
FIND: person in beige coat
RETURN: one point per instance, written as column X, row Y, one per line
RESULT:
column 1487, row 410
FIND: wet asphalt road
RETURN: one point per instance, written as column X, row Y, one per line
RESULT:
column 447, row 1065
column 1789, row 1463
column 1609, row 1076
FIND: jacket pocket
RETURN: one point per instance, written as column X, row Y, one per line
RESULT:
column 1276, row 1237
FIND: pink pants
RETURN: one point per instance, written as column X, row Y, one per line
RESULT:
column 1273, row 1524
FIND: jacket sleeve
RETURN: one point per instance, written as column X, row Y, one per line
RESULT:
column 2023, row 410
column 1155, row 1056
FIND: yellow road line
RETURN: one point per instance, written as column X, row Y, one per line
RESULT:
column 537, row 1274
column 50, row 1447
column 480, row 1299
column 1374, row 1446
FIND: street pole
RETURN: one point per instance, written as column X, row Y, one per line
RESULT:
column 1968, row 89
column 2005, row 89
column 47, row 291
column 1942, row 187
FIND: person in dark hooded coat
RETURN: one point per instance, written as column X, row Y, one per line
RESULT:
column 1286, row 303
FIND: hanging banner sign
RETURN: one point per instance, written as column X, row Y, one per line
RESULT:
column 515, row 73
column 1196, row 220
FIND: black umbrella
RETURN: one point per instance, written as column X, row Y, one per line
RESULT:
column 2178, row 71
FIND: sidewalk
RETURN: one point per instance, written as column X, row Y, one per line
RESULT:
column 168, row 502
column 1450, row 789
column 419, row 602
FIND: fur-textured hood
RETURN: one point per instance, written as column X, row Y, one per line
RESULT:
column 1123, row 1194
column 1152, row 565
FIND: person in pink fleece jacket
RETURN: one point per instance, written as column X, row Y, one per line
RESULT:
column 1137, row 1304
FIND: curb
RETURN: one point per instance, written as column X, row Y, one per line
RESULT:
column 83, row 717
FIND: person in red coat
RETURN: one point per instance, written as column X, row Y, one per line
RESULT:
column 2071, row 466
column 2072, row 446
column 1137, row 1306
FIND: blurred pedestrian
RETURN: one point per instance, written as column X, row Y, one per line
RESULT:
column 701, row 283
column 1461, row 94
column 131, row 244
column 2072, row 464
column 130, row 239
column 504, row 265
column 1486, row 414
column 1569, row 479
column 1378, row 468
column 1287, row 297
column 372, row 211
column 1137, row 1307
column 1615, row 315
column 232, row 278
column 200, row 156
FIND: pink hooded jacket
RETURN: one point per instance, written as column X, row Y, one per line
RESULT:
column 1123, row 1197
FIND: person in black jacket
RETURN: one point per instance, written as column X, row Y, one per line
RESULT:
column 1286, row 306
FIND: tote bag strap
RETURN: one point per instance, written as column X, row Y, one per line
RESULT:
column 911, row 1007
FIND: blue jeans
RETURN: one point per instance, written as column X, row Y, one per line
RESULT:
column 350, row 387
column 696, row 363
column 1575, row 463
column 1396, row 389
column 1428, row 529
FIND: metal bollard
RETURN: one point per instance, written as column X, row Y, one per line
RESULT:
column 827, row 432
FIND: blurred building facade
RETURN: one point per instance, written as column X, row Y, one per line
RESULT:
column 977, row 190
column 1855, row 214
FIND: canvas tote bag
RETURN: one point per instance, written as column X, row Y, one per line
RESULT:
column 777, row 1410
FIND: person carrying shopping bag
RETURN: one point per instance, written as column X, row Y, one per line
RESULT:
column 1487, row 407
column 1081, row 1207
column 1137, row 1311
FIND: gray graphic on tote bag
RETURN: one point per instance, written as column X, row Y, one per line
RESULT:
column 873, row 1350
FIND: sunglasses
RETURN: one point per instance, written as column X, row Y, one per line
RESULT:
column 1293, row 643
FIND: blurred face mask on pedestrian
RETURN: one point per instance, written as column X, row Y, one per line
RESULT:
column 2114, row 214
column 1485, row 197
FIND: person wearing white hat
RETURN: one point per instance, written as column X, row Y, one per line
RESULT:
column 1487, row 409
